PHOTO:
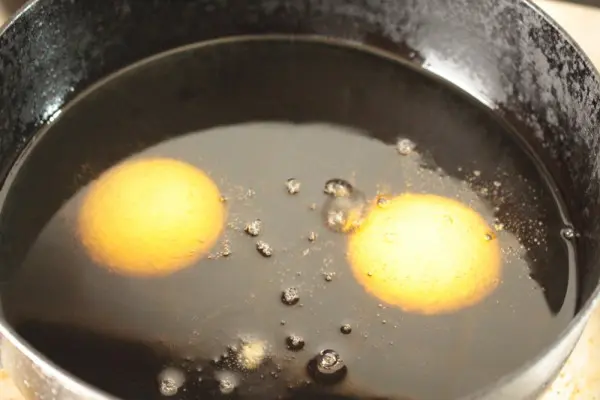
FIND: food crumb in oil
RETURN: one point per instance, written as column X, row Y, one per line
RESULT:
column 312, row 236
column 290, row 296
column 264, row 248
column 292, row 185
column 253, row 228
column 294, row 343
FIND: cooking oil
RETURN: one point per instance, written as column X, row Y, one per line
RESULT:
column 274, row 311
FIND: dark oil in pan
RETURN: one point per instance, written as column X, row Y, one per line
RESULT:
column 253, row 114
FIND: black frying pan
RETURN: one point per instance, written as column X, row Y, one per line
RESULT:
column 83, row 333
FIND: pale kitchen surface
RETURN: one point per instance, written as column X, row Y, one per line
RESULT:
column 580, row 378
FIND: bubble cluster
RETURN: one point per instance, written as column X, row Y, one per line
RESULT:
column 290, row 296
column 405, row 146
column 170, row 380
column 253, row 228
column 264, row 248
column 345, row 214
column 227, row 382
column 292, row 185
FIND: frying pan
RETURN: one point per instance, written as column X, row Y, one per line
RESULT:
column 504, row 53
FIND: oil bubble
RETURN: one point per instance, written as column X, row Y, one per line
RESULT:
column 327, row 367
column 568, row 233
column 292, row 185
column 405, row 146
column 253, row 228
column 382, row 201
column 264, row 248
column 226, row 252
column 312, row 236
column 227, row 382
column 170, row 380
column 290, row 296
column 338, row 188
column 346, row 329
column 294, row 342
column 345, row 214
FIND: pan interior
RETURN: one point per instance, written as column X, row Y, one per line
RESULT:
column 252, row 114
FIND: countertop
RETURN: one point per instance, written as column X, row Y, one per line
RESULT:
column 580, row 377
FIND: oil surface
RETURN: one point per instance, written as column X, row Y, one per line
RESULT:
column 272, row 121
